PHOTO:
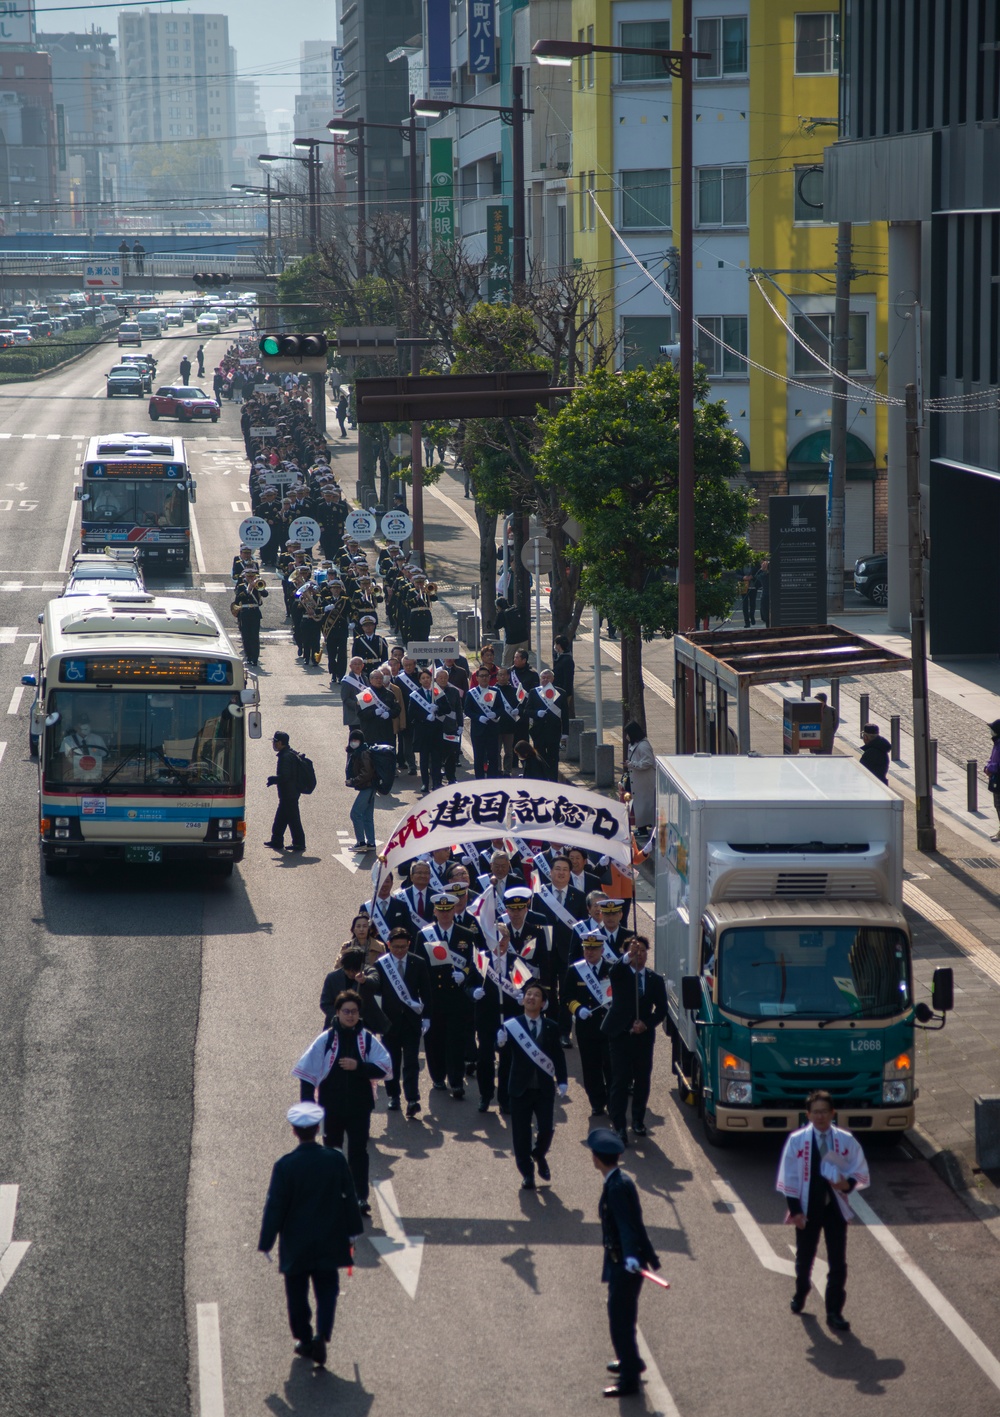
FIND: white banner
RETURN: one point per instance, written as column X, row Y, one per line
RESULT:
column 476, row 811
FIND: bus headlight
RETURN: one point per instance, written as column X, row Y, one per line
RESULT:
column 735, row 1086
column 897, row 1080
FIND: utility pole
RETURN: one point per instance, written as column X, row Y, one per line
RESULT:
column 926, row 834
column 416, row 428
column 362, row 257
column 686, row 614
column 519, row 254
column 840, row 361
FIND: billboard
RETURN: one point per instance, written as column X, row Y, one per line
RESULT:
column 798, row 560
column 17, row 22
column 497, row 255
column 482, row 37
column 442, row 192
column 439, row 48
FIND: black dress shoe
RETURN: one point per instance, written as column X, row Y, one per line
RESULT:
column 484, row 1106
column 544, row 1170
column 565, row 1041
column 318, row 1352
column 623, row 1136
column 639, row 1128
column 838, row 1322
column 393, row 1105
column 412, row 1108
column 527, row 1183
column 303, row 1348
column 797, row 1305
column 615, row 1367
column 274, row 845
column 458, row 1093
column 439, row 1086
column 504, row 1111
column 365, row 1207
column 622, row 1390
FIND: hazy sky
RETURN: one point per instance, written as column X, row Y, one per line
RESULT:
column 264, row 33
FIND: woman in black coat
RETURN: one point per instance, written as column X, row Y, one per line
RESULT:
column 532, row 765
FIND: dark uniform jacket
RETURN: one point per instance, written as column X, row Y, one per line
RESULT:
column 622, row 1227
column 623, row 1014
column 311, row 1210
column 444, row 991
column 526, row 1075
column 576, row 995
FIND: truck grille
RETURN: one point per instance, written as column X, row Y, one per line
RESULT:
column 790, row 1089
column 748, row 883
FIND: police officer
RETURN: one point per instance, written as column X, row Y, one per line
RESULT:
column 372, row 648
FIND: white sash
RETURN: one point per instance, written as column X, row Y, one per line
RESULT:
column 358, row 684
column 377, row 918
column 436, row 882
column 427, row 706
column 548, row 897
column 369, row 699
column 391, row 971
column 318, row 1060
column 550, row 705
column 409, row 900
column 519, row 1032
column 592, row 982
column 476, row 695
column 408, row 682
column 489, row 971
column 432, row 938
column 585, row 926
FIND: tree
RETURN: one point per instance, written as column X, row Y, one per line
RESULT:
column 611, row 452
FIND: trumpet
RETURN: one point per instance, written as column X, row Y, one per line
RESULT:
column 431, row 588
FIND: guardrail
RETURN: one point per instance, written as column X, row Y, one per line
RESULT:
column 72, row 264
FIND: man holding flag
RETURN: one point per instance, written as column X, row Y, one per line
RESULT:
column 496, row 996
column 587, row 994
column 449, row 953
column 537, row 1066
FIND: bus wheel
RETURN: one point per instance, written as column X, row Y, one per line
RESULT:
column 55, row 868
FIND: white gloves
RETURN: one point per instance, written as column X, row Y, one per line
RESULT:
column 583, row 1012
column 458, row 976
column 425, row 1025
column 501, row 1037
column 563, row 1089
column 632, row 1265
column 479, row 994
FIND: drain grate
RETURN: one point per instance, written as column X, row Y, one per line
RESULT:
column 980, row 863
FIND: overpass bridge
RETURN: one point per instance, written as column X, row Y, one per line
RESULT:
column 55, row 272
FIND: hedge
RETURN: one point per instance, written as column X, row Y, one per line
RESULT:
column 25, row 360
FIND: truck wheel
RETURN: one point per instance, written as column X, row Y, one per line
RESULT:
column 713, row 1135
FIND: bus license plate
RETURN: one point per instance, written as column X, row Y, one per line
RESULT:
column 144, row 855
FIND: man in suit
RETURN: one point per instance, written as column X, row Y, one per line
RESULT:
column 537, row 1067
column 544, row 712
column 585, row 995
column 483, row 712
column 627, row 1252
column 563, row 676
column 820, row 1166
column 638, row 1005
column 402, row 981
column 582, row 876
column 385, row 910
column 561, row 906
column 496, row 998
column 449, row 953
column 312, row 1211
column 619, row 936
column 452, row 722
column 528, row 933
column 416, row 898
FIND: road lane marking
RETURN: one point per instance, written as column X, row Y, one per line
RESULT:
column 211, row 1401
column 240, row 506
column 655, row 1388
column 756, row 1238
column 29, row 654
column 196, row 542
column 15, row 699
column 8, row 634
column 68, row 538
column 974, row 950
column 3, row 749
column 928, row 1290
column 401, row 1252
column 12, row 1251
column 53, row 437
column 661, row 689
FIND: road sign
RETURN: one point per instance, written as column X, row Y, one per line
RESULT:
column 544, row 546
column 304, row 530
column 433, row 649
column 364, row 341
column 263, row 432
column 362, row 526
column 254, row 532
column 397, row 526
column 102, row 275
column 276, row 477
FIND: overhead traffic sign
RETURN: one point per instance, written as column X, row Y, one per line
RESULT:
column 397, row 526
column 305, row 531
column 102, row 275
column 254, row 532
column 362, row 526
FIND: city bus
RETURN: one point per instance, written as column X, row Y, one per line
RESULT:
column 136, row 491
column 142, row 710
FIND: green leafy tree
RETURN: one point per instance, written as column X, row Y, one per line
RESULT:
column 611, row 452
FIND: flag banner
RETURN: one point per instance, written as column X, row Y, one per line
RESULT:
column 484, row 910
column 474, row 811
column 520, row 974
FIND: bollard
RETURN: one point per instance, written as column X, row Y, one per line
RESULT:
column 934, row 751
column 573, row 740
column 987, row 1118
column 894, row 737
column 604, row 765
column 864, row 710
column 972, row 785
column 588, row 752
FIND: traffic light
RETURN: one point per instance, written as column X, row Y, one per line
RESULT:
column 293, row 346
column 209, row 278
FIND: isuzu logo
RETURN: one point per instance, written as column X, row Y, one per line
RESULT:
column 816, row 1062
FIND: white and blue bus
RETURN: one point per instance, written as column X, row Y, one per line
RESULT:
column 137, row 492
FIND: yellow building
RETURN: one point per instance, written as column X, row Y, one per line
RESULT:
column 765, row 104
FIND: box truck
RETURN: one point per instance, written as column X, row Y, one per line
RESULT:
column 781, row 935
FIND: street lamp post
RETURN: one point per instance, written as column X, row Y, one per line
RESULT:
column 266, row 193
column 266, row 159
column 312, row 146
column 678, row 63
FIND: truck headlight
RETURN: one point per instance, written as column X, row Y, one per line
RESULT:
column 897, row 1080
column 734, row 1079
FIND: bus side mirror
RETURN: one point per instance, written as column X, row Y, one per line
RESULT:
column 193, row 490
column 943, row 990
column 691, row 992
column 78, row 494
column 248, row 696
column 254, row 724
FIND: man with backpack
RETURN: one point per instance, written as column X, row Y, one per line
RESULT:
column 294, row 776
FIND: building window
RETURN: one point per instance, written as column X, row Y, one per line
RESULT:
column 817, row 43
column 653, row 34
column 809, row 193
column 18, row 71
column 817, row 332
column 581, row 63
column 591, row 202
column 581, row 222
column 642, row 336
column 725, row 39
column 590, row 58
column 722, row 196
column 732, row 330
column 645, row 198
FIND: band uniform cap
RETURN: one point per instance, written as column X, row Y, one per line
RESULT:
column 593, row 937
column 367, row 620
column 444, row 901
column 517, row 893
column 612, row 905
column 604, row 1142
column 306, row 1114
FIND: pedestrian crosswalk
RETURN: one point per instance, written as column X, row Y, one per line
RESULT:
column 84, row 437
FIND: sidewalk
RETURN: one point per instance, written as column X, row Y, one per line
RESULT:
column 952, row 897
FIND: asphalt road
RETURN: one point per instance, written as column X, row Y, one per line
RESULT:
column 148, row 1023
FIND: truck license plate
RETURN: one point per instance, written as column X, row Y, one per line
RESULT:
column 144, row 855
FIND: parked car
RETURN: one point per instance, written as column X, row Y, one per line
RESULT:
column 125, row 380
column 183, row 402
column 129, row 332
column 871, row 575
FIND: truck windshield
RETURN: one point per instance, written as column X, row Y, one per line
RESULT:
column 162, row 741
column 847, row 972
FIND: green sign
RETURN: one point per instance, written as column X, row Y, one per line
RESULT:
column 498, row 290
column 442, row 219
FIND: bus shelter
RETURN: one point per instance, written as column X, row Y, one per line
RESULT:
column 714, row 671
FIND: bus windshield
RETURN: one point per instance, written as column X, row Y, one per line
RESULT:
column 842, row 972
column 162, row 740
column 145, row 503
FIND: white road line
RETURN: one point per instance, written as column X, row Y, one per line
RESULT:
column 751, row 1231
column 240, row 506
column 12, row 1252
column 659, row 687
column 3, row 749
column 29, row 435
column 8, row 634
column 655, row 1388
column 211, row 1401
column 68, row 538
column 459, row 512
column 401, row 1252
column 53, row 437
column 6, row 435
column 29, row 654
column 928, row 1291
column 974, row 950
column 196, row 543
column 15, row 699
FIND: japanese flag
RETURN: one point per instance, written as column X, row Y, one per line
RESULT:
column 438, row 691
column 87, row 763
column 607, row 991
column 482, row 962
column 522, row 693
column 550, row 694
column 488, row 697
column 440, row 953
column 520, row 974
column 485, row 912
column 367, row 698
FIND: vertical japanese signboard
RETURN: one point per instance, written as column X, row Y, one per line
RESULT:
column 439, row 48
column 442, row 193
column 497, row 255
column 339, row 103
column 798, row 560
column 482, row 46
